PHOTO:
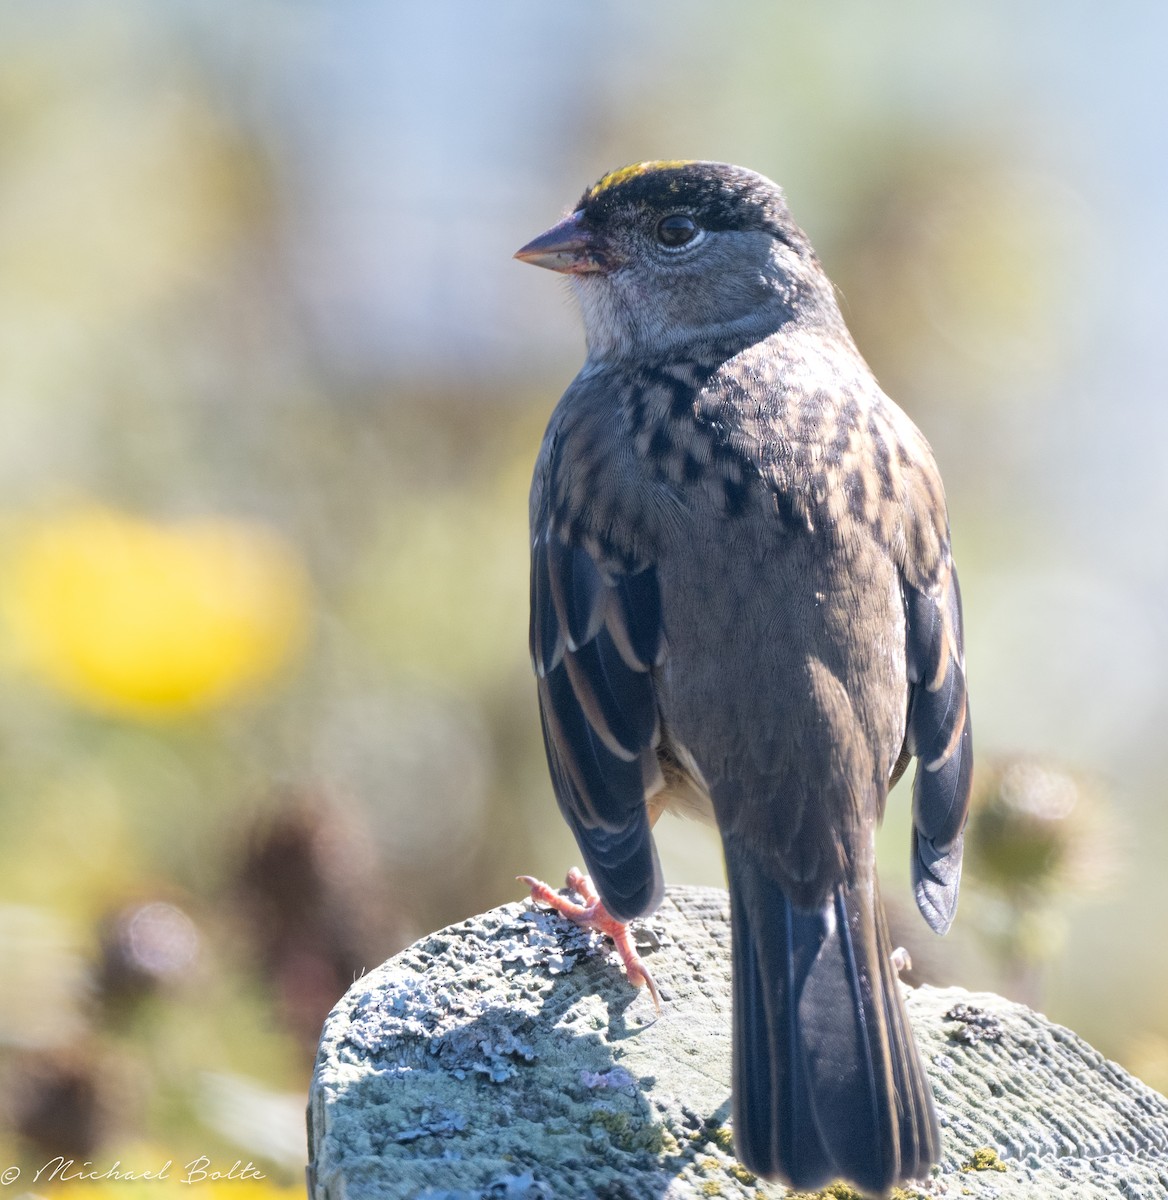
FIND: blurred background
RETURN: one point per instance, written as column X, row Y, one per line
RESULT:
column 271, row 389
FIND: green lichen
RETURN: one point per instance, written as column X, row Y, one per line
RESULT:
column 631, row 1135
column 741, row 1173
column 833, row 1191
column 984, row 1159
column 711, row 1188
column 721, row 1136
column 842, row 1191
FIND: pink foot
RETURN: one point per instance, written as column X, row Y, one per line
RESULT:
column 594, row 915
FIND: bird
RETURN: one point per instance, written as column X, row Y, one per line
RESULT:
column 744, row 606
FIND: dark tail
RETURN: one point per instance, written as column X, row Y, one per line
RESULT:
column 828, row 1083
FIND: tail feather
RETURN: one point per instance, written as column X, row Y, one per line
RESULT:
column 773, row 1127
column 920, row 1136
column 827, row 1079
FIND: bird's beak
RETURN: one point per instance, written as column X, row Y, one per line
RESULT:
column 569, row 247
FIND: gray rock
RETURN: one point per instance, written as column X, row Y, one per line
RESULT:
column 508, row 1058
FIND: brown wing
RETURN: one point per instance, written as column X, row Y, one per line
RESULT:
column 939, row 735
column 595, row 638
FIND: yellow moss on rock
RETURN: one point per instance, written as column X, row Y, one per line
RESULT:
column 984, row 1159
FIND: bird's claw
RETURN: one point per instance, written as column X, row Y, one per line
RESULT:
column 593, row 915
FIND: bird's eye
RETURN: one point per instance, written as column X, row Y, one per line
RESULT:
column 676, row 230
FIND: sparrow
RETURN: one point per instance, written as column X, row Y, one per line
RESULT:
column 744, row 606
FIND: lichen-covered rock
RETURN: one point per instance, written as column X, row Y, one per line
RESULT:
column 507, row 1057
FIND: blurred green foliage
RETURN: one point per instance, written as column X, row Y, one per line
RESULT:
column 272, row 391
column 1039, row 840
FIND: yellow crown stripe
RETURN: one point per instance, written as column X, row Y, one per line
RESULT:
column 623, row 174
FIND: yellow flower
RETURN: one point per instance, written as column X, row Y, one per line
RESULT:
column 152, row 619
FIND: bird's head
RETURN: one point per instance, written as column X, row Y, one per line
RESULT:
column 669, row 256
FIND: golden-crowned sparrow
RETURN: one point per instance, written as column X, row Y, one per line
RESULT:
column 743, row 602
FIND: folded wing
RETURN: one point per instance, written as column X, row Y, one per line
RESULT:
column 595, row 638
column 939, row 735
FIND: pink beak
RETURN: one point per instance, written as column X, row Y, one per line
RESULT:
column 569, row 247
